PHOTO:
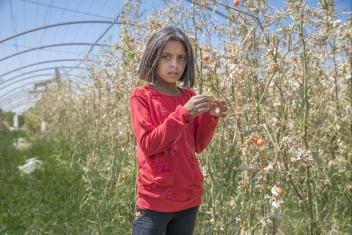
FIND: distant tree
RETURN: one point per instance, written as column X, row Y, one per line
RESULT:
column 21, row 120
column 1, row 115
column 9, row 118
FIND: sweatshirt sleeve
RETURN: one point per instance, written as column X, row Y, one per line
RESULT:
column 153, row 139
column 205, row 128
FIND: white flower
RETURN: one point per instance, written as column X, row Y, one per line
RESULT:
column 268, row 168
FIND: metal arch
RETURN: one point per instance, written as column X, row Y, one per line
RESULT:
column 20, row 104
column 18, row 101
column 34, row 76
column 26, row 78
column 38, row 70
column 41, row 62
column 18, row 87
column 101, row 36
column 15, row 94
column 65, row 23
column 3, row 106
column 54, row 45
column 10, row 101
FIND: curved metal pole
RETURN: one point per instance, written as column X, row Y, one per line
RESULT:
column 61, row 24
column 9, row 98
column 18, row 101
column 26, row 78
column 18, row 105
column 41, row 62
column 54, row 45
column 15, row 97
column 39, row 75
column 19, row 93
column 18, row 87
column 38, row 70
column 34, row 76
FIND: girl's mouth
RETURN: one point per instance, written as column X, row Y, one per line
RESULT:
column 173, row 73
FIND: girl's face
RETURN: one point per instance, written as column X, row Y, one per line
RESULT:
column 172, row 62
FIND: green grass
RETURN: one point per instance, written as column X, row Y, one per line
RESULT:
column 60, row 198
column 46, row 201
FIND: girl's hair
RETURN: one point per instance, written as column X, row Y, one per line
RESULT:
column 154, row 48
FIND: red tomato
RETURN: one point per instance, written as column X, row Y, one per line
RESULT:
column 259, row 142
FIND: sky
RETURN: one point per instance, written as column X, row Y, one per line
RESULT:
column 17, row 16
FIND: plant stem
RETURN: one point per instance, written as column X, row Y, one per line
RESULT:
column 350, row 89
column 305, row 118
column 335, row 77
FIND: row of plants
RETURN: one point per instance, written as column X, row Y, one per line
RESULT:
column 279, row 163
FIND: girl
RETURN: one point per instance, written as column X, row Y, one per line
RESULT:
column 171, row 124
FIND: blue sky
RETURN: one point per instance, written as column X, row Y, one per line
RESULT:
column 17, row 16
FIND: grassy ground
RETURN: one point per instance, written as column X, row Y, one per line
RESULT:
column 46, row 201
column 60, row 198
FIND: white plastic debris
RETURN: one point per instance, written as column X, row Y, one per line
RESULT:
column 31, row 165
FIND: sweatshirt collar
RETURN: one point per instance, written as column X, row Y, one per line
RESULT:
column 156, row 92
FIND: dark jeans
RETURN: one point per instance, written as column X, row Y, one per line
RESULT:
column 148, row 222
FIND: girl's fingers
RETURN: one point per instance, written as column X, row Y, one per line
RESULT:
column 203, row 110
column 203, row 105
column 201, row 100
column 197, row 97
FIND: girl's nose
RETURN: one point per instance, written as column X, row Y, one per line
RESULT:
column 174, row 62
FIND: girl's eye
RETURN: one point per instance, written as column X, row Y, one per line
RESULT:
column 182, row 58
column 167, row 57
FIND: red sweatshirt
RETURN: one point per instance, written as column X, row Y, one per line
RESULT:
column 169, row 177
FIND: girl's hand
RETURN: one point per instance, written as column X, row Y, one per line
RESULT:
column 219, row 109
column 197, row 104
